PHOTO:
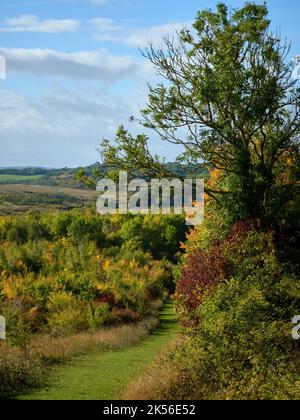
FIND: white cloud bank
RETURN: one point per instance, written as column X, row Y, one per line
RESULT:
column 64, row 127
column 61, row 128
column 89, row 65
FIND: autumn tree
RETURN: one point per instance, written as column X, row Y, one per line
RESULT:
column 230, row 97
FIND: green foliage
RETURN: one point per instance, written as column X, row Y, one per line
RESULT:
column 60, row 224
column 18, row 322
column 230, row 100
column 65, row 276
column 97, row 315
column 18, row 234
column 231, row 86
column 86, row 229
column 241, row 346
column 62, row 273
column 158, row 234
column 132, row 155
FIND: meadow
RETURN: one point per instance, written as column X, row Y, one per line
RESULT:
column 15, row 178
column 20, row 198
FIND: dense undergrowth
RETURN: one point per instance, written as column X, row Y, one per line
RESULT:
column 236, row 297
column 76, row 272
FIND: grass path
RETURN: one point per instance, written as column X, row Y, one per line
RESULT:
column 101, row 376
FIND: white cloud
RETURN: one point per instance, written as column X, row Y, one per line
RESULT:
column 101, row 24
column 65, row 126
column 140, row 37
column 296, row 72
column 62, row 127
column 89, row 65
column 31, row 23
column 106, row 38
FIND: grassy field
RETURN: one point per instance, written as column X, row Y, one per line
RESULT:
column 16, row 178
column 19, row 198
column 41, row 189
column 104, row 375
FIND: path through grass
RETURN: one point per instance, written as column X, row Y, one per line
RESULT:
column 101, row 376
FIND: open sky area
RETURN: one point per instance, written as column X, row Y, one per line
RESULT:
column 75, row 73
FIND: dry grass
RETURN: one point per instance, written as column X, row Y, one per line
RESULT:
column 18, row 370
column 44, row 189
column 8, row 207
column 57, row 349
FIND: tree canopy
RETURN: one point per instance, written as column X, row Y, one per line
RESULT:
column 230, row 97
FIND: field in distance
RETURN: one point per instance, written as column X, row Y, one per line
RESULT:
column 19, row 198
column 44, row 189
column 18, row 178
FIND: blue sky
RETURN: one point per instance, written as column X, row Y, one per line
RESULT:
column 74, row 71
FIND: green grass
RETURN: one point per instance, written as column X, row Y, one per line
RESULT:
column 16, row 178
column 104, row 375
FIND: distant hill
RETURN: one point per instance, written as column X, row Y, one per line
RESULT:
column 46, row 189
column 65, row 177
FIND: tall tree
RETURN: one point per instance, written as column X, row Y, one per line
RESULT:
column 230, row 98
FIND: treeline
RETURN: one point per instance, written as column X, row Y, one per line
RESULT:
column 177, row 168
column 27, row 171
column 35, row 199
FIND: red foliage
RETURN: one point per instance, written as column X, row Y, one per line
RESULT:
column 105, row 298
column 201, row 272
column 241, row 228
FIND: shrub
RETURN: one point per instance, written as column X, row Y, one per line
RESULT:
column 123, row 316
column 19, row 322
column 86, row 229
column 68, row 321
column 159, row 235
column 240, row 346
column 66, row 314
column 97, row 315
column 60, row 224
column 63, row 274
column 201, row 272
column 17, row 372
column 17, row 233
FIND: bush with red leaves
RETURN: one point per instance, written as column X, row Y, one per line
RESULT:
column 241, row 228
column 105, row 298
column 205, row 269
column 201, row 272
